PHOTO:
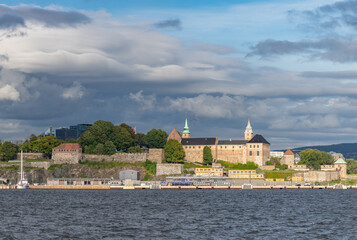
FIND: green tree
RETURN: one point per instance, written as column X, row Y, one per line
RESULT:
column 174, row 152
column 156, row 138
column 315, row 158
column 207, row 155
column 8, row 151
column 140, row 139
column 99, row 149
column 45, row 145
column 351, row 166
column 109, row 148
column 135, row 149
column 122, row 138
column 101, row 130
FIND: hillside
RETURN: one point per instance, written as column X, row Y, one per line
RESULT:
column 349, row 150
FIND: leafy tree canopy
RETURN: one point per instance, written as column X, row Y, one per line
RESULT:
column 351, row 166
column 207, row 155
column 174, row 152
column 156, row 138
column 315, row 158
column 8, row 151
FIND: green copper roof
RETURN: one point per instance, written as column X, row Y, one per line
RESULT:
column 186, row 129
column 340, row 161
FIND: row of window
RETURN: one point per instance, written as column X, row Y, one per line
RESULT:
column 242, row 171
column 66, row 150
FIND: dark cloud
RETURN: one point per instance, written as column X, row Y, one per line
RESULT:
column 343, row 13
column 334, row 49
column 332, row 74
column 8, row 21
column 171, row 23
column 17, row 16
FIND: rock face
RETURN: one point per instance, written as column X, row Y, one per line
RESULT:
column 68, row 171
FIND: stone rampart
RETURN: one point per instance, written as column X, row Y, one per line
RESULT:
column 318, row 176
column 39, row 164
column 30, row 156
column 156, row 155
column 168, row 169
column 117, row 157
column 66, row 157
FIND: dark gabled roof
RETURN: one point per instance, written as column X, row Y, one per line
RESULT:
column 258, row 139
column 231, row 142
column 198, row 141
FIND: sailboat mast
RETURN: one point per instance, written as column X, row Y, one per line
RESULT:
column 22, row 173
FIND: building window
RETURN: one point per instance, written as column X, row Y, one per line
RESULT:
column 189, row 146
column 193, row 147
column 250, row 146
column 250, row 153
column 257, row 146
column 232, row 146
column 225, row 146
column 257, row 153
column 253, row 146
column 199, row 146
column 185, row 146
column 221, row 147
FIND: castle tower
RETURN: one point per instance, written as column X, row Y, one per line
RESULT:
column 248, row 134
column 186, row 131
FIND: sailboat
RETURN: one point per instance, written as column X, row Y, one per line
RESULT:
column 23, row 183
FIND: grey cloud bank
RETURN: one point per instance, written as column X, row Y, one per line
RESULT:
column 127, row 72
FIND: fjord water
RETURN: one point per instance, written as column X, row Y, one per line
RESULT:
column 178, row 214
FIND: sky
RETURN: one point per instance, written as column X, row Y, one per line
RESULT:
column 288, row 66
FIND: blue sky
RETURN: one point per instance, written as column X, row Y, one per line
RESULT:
column 289, row 66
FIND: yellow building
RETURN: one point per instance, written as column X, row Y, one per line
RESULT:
column 209, row 172
column 297, row 179
column 245, row 174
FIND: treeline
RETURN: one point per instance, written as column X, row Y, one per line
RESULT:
column 314, row 158
column 104, row 137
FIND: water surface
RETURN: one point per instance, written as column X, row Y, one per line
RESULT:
column 178, row 214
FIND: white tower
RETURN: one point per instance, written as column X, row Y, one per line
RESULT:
column 248, row 134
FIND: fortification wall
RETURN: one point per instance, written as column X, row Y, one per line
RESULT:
column 168, row 169
column 30, row 156
column 318, row 176
column 156, row 155
column 44, row 164
column 65, row 157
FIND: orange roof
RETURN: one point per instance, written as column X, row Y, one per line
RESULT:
column 289, row 152
column 69, row 146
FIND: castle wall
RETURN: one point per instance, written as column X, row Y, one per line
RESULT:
column 30, row 156
column 156, row 155
column 232, row 153
column 318, row 176
column 288, row 160
column 168, row 169
column 194, row 153
column 65, row 157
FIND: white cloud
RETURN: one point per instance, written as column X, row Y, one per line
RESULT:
column 146, row 102
column 73, row 92
column 8, row 92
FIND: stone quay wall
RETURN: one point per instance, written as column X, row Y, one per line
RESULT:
column 168, row 169
column 30, row 156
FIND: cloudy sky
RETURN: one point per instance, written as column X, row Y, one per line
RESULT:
column 289, row 66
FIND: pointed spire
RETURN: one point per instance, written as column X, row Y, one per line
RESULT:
column 186, row 129
column 248, row 125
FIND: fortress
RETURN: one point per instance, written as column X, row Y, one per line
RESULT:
column 254, row 148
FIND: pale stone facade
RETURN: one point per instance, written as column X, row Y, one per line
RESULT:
column 67, row 153
column 30, row 156
column 168, row 169
column 289, row 158
column 253, row 149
